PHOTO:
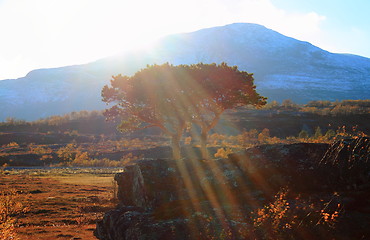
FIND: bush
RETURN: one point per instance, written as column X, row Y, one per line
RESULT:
column 303, row 134
column 223, row 152
column 10, row 206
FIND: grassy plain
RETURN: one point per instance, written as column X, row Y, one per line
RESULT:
column 59, row 203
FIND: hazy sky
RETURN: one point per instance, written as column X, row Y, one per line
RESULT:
column 54, row 33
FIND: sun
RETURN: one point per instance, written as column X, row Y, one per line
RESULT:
column 114, row 26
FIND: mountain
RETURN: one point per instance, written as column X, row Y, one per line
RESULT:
column 283, row 67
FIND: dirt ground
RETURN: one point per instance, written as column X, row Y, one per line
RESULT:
column 60, row 206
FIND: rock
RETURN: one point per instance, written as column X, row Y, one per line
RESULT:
column 191, row 199
column 133, row 223
column 271, row 167
column 347, row 163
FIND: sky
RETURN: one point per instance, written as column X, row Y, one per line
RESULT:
column 54, row 33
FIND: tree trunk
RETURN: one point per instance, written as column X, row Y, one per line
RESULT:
column 205, row 128
column 203, row 144
column 175, row 144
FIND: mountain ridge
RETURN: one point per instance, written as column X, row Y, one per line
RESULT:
column 284, row 68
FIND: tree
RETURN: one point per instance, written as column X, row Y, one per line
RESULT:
column 288, row 104
column 330, row 134
column 264, row 135
column 303, row 134
column 272, row 105
column 318, row 133
column 153, row 97
column 67, row 154
column 171, row 97
column 217, row 88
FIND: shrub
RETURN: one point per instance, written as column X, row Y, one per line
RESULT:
column 223, row 152
column 264, row 135
column 10, row 206
column 272, row 218
column 12, row 145
column 67, row 153
column 303, row 134
column 283, row 219
column 318, row 133
column 330, row 134
column 39, row 150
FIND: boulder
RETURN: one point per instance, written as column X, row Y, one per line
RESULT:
column 205, row 199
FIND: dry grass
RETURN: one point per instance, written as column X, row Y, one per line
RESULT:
column 60, row 206
column 85, row 179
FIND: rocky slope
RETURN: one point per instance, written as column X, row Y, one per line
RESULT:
column 322, row 192
column 284, row 68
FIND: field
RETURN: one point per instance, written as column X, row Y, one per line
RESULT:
column 71, row 160
column 58, row 203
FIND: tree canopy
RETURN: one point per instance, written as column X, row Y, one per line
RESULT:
column 171, row 97
column 220, row 87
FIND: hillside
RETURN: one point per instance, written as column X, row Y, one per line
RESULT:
column 44, row 141
column 284, row 68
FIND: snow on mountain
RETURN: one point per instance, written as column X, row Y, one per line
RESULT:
column 283, row 67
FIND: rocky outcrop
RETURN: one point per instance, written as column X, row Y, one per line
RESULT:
column 213, row 199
